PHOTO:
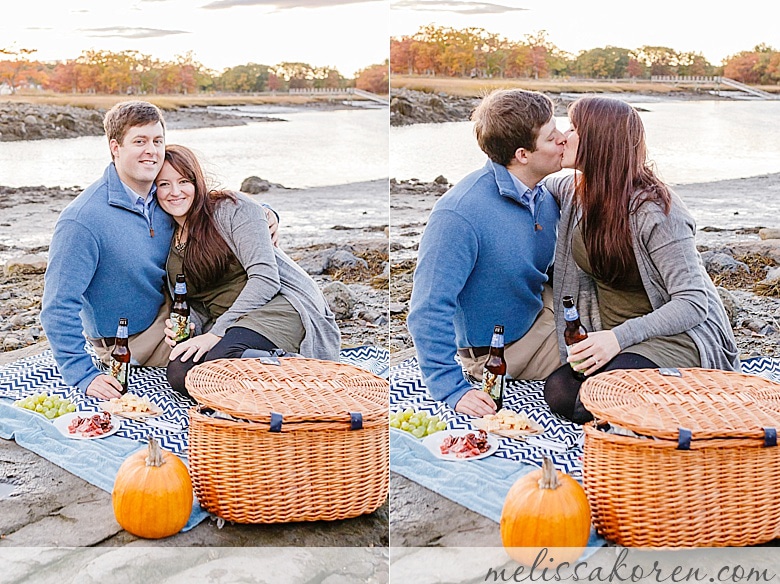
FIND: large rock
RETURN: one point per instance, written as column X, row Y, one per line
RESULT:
column 730, row 303
column 717, row 262
column 340, row 299
column 26, row 264
column 769, row 233
column 768, row 247
column 254, row 185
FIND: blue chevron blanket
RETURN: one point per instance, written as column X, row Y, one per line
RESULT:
column 482, row 485
column 97, row 461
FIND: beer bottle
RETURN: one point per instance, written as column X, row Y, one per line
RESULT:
column 180, row 312
column 120, row 356
column 574, row 331
column 494, row 371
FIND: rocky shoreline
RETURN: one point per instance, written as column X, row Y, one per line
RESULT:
column 408, row 106
column 742, row 264
column 34, row 121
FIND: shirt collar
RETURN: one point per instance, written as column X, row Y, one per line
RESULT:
column 527, row 194
column 135, row 198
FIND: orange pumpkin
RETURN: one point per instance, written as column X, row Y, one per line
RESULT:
column 152, row 494
column 545, row 509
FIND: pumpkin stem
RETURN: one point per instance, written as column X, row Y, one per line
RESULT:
column 154, row 455
column 549, row 478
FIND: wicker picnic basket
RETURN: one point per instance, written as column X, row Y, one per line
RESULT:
column 309, row 440
column 705, row 470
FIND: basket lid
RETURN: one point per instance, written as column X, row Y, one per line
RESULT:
column 708, row 403
column 298, row 389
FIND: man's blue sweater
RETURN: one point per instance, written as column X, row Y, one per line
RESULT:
column 106, row 261
column 481, row 262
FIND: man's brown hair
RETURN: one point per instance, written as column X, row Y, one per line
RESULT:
column 508, row 119
column 128, row 114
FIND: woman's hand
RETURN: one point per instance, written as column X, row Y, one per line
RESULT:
column 273, row 225
column 195, row 347
column 594, row 352
column 170, row 335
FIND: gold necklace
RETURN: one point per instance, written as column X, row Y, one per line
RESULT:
column 177, row 242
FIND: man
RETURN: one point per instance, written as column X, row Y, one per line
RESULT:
column 485, row 255
column 107, row 257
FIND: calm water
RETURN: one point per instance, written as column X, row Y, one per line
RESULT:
column 690, row 142
column 309, row 149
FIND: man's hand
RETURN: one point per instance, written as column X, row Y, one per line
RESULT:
column 104, row 387
column 477, row 403
column 273, row 225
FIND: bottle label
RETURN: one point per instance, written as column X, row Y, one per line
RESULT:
column 570, row 313
column 181, row 327
column 493, row 384
column 180, row 288
column 573, row 363
column 120, row 371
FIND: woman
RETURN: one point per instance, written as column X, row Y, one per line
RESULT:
column 243, row 292
column 626, row 251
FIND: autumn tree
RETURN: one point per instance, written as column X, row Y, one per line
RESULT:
column 603, row 63
column 660, row 60
column 251, row 77
column 375, row 79
column 743, row 67
column 18, row 70
column 297, row 75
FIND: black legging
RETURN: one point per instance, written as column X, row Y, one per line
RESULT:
column 562, row 389
column 232, row 346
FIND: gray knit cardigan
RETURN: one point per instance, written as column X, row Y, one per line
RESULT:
column 269, row 270
column 682, row 295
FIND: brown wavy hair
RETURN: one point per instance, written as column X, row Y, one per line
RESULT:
column 508, row 119
column 207, row 257
column 612, row 158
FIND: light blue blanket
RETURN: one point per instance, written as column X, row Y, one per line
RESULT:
column 97, row 461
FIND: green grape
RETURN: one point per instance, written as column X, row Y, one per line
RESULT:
column 418, row 424
column 50, row 406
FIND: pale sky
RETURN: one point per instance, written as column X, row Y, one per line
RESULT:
column 344, row 34
column 715, row 30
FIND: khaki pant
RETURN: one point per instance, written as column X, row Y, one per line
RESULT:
column 531, row 357
column 147, row 348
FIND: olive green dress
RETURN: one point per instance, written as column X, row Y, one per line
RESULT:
column 617, row 306
column 277, row 320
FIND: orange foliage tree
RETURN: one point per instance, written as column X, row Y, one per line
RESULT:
column 760, row 66
column 375, row 79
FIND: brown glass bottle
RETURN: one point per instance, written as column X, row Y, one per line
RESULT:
column 120, row 356
column 494, row 371
column 180, row 311
column 574, row 331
